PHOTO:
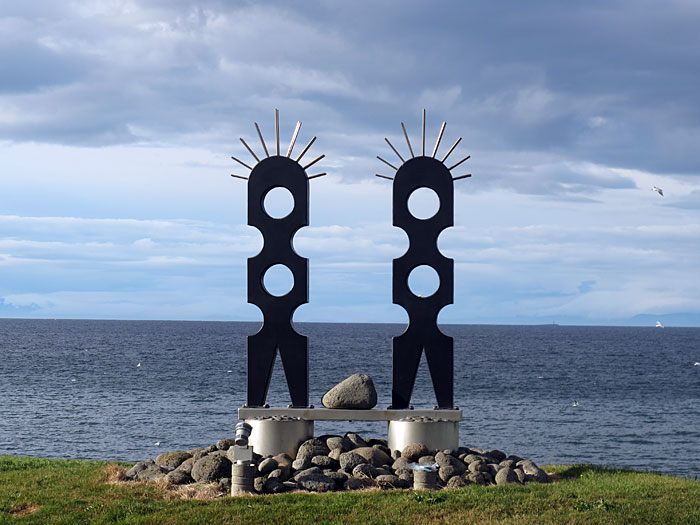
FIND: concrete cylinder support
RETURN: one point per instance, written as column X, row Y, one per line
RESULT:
column 435, row 434
column 425, row 480
column 277, row 435
column 242, row 479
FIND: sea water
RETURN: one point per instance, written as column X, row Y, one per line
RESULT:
column 113, row 389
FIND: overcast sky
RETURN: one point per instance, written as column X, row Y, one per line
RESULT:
column 118, row 120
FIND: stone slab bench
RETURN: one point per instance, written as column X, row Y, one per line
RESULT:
column 342, row 414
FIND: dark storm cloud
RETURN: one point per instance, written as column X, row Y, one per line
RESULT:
column 604, row 82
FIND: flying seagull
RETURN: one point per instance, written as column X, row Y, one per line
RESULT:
column 658, row 190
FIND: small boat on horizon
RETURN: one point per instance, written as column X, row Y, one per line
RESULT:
column 659, row 325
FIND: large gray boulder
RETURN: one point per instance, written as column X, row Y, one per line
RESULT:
column 355, row 392
column 211, row 468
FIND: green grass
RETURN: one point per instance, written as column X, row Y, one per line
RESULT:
column 36, row 490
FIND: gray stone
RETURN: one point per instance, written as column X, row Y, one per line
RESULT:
column 356, row 439
column 387, row 481
column 506, row 475
column 364, row 471
column 225, row 444
column 339, row 477
column 426, row 460
column 456, row 482
column 493, row 469
column 178, row 477
column 138, row 467
column 172, row 460
column 211, row 468
column 508, row 463
column 311, row 448
column 355, row 392
column 259, row 484
column 414, row 451
column 476, row 477
column 339, row 443
column 152, row 472
column 405, row 473
column 446, row 472
column 186, row 466
column 301, row 464
column 306, row 472
column 349, row 460
column 478, row 466
column 290, row 485
column 399, row 464
column 538, row 476
column 225, row 485
column 373, row 455
column 497, row 455
column 335, row 453
column 273, row 486
column 521, row 475
column 324, row 462
column 448, row 460
column 266, row 466
column 283, row 459
column 355, row 484
column 283, row 473
column 316, row 482
column 395, row 454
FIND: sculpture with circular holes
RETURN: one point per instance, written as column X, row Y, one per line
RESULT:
column 422, row 333
column 276, row 300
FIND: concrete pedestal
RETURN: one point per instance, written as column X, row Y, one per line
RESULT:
column 434, row 434
column 277, row 435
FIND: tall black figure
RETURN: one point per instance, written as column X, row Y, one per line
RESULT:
column 423, row 333
column 277, row 332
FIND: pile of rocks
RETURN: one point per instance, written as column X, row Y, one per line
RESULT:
column 346, row 462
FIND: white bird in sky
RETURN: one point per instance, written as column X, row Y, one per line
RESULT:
column 658, row 190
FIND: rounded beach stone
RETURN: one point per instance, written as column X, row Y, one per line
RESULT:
column 339, row 477
column 356, row 439
column 225, row 485
column 211, row 468
column 335, row 453
column 281, row 473
column 178, row 477
column 506, row 475
column 306, row 472
column 225, row 444
column 138, row 467
column 478, row 466
column 497, row 455
column 539, row 476
column 446, row 472
column 301, row 464
column 186, row 466
column 341, row 443
column 508, row 463
column 283, row 459
column 266, row 466
column 395, row 454
column 172, row 460
column 324, row 462
column 414, row 451
column 152, row 472
column 373, row 455
column 316, row 482
column 445, row 460
column 521, row 475
column 364, row 471
column 456, row 482
column 426, row 460
column 259, row 484
column 355, row 484
column 349, row 460
column 399, row 464
column 274, row 486
column 355, row 392
column 311, row 448
column 387, row 481
column 476, row 477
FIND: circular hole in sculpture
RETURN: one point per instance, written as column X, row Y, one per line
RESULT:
column 278, row 280
column 278, row 202
column 423, row 281
column 423, row 203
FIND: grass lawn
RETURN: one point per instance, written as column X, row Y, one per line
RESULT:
column 34, row 490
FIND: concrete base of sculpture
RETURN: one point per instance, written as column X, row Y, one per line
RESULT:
column 278, row 430
column 436, row 434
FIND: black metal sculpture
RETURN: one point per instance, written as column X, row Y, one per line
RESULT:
column 277, row 332
column 422, row 333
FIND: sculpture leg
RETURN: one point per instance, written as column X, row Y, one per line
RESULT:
column 440, row 360
column 295, row 360
column 406, row 357
column 262, row 351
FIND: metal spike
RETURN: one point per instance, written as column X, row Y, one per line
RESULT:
column 317, row 175
column 294, row 138
column 423, row 133
column 437, row 144
column 407, row 141
column 241, row 162
column 306, row 148
column 460, row 162
column 277, row 130
column 239, row 176
column 388, row 163
column 261, row 139
column 451, row 149
column 462, row 176
column 251, row 151
column 395, row 151
column 314, row 161
column 383, row 176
